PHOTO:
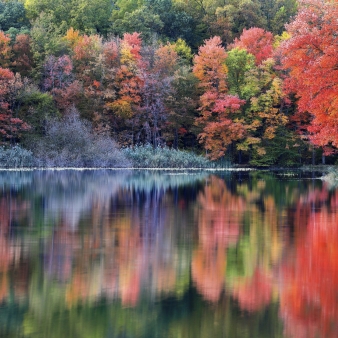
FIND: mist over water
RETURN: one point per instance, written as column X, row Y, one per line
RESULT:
column 100, row 253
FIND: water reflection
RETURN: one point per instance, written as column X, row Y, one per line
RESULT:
column 309, row 293
column 150, row 254
column 219, row 217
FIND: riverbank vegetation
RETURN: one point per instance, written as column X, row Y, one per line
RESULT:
column 249, row 82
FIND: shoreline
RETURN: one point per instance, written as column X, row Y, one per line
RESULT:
column 325, row 168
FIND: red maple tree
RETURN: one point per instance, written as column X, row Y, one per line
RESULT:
column 310, row 57
column 257, row 42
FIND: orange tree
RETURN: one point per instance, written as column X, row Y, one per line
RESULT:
column 219, row 127
column 310, row 57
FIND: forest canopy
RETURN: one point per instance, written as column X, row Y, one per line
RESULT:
column 252, row 81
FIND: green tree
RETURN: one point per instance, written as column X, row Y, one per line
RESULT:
column 159, row 17
column 35, row 108
column 176, row 23
column 84, row 15
column 278, row 13
column 12, row 15
column 46, row 40
column 125, row 6
column 92, row 16
column 58, row 10
column 183, row 51
column 142, row 20
column 239, row 62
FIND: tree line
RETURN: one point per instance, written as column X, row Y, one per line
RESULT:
column 251, row 81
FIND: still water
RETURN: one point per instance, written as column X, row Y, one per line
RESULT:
column 138, row 254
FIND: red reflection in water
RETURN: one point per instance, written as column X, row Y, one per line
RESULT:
column 255, row 293
column 309, row 296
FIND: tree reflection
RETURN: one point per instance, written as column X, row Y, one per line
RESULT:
column 254, row 293
column 252, row 263
column 130, row 249
column 308, row 297
column 219, row 220
column 9, row 251
column 135, row 255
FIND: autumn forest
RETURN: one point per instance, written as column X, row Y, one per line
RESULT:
column 252, row 81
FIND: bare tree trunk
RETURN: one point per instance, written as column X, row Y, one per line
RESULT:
column 176, row 139
column 313, row 156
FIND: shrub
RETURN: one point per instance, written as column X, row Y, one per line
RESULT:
column 70, row 142
column 16, row 157
column 148, row 157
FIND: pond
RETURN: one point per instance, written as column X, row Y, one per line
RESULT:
column 190, row 254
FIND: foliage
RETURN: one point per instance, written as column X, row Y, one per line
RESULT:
column 156, row 17
column 209, row 65
column 157, row 81
column 22, row 54
column 57, row 72
column 228, row 19
column 92, row 16
column 263, row 115
column 84, row 15
column 183, row 51
column 283, row 151
column 239, row 62
column 45, row 41
column 141, row 20
column 10, row 125
column 182, row 108
column 257, row 42
column 163, row 157
column 311, row 64
column 35, row 108
column 235, row 16
column 157, row 78
column 5, row 49
column 220, row 128
column 277, row 13
column 12, row 15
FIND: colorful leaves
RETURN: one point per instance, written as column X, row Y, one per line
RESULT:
column 22, row 54
column 209, row 65
column 257, row 42
column 10, row 126
column 5, row 49
column 57, row 72
column 309, row 57
column 220, row 128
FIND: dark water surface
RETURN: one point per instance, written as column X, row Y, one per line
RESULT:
column 167, row 254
